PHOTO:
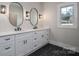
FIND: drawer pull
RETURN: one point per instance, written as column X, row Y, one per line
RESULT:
column 7, row 39
column 7, row 48
column 42, row 35
column 35, row 45
column 35, row 38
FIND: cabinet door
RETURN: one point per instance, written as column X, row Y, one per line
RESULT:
column 23, row 45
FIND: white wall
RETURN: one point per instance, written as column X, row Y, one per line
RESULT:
column 5, row 25
column 49, row 10
column 64, row 35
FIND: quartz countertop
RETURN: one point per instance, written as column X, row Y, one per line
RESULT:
column 18, row 32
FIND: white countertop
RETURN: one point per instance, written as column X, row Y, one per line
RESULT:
column 18, row 32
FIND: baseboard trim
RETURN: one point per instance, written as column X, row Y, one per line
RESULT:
column 66, row 46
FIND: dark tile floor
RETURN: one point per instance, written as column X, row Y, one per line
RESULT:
column 53, row 50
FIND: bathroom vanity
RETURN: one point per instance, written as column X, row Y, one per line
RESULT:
column 23, row 42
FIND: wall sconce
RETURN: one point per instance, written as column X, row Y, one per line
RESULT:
column 40, row 16
column 2, row 9
column 27, row 15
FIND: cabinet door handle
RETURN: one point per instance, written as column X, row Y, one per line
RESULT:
column 7, row 48
column 7, row 39
column 25, row 41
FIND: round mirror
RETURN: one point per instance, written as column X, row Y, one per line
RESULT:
column 34, row 17
column 16, row 14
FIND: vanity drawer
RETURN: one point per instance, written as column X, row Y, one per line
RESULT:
column 7, row 50
column 9, row 53
column 36, row 45
column 41, row 32
column 41, row 35
column 35, row 39
column 6, row 39
column 29, row 34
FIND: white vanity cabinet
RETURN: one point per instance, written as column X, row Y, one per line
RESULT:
column 28, row 42
column 24, row 43
column 7, row 47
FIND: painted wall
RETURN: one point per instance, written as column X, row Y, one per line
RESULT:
column 68, row 36
column 49, row 10
column 5, row 25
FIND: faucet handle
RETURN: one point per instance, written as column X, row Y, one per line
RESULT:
column 18, row 29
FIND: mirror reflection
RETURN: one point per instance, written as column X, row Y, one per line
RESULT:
column 34, row 17
column 16, row 14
